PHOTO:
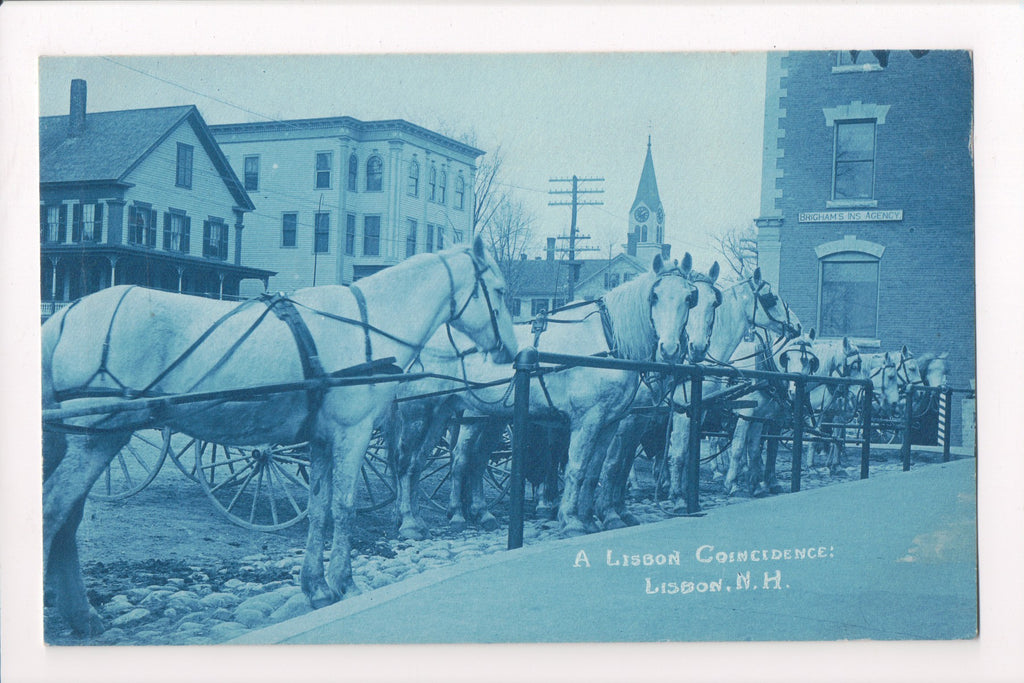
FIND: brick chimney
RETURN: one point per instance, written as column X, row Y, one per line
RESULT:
column 76, row 124
column 551, row 249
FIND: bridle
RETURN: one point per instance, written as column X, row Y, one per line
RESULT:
column 807, row 357
column 691, row 300
column 768, row 300
column 455, row 312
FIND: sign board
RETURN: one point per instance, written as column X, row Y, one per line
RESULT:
column 850, row 216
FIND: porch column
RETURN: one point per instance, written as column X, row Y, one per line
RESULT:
column 113, row 270
column 221, row 276
column 54, row 260
column 181, row 271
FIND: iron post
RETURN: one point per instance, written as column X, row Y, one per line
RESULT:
column 525, row 363
column 798, row 436
column 946, row 422
column 867, row 400
column 692, row 464
column 906, row 429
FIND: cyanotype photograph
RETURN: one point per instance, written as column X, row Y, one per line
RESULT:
column 668, row 345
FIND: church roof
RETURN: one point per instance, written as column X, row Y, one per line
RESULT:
column 647, row 190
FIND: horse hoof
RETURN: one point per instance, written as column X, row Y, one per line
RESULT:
column 573, row 527
column 91, row 625
column 592, row 526
column 547, row 512
column 457, row 524
column 322, row 598
column 613, row 521
column 679, row 507
column 488, row 522
column 775, row 489
column 412, row 532
column 760, row 492
column 629, row 519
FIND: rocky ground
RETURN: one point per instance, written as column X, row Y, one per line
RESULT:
column 164, row 568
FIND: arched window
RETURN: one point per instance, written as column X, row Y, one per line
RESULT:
column 848, row 272
column 433, row 183
column 353, row 172
column 443, row 186
column 374, row 173
column 414, row 179
column 460, row 192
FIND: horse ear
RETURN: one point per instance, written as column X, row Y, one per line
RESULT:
column 944, row 355
column 784, row 361
column 756, row 277
column 713, row 273
column 479, row 251
column 687, row 262
column 811, row 334
column 904, row 351
column 658, row 265
column 846, row 344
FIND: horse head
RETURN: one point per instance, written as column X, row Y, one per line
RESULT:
column 933, row 370
column 884, row 375
column 769, row 311
column 484, row 317
column 670, row 299
column 798, row 357
column 701, row 319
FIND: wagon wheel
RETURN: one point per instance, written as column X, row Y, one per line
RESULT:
column 262, row 488
column 435, row 478
column 134, row 466
column 376, row 486
column 497, row 478
column 182, row 452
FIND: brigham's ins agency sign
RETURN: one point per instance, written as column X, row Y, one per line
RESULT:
column 850, row 216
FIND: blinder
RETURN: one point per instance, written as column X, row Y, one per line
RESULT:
column 810, row 360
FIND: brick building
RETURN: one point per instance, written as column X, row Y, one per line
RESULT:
column 338, row 199
column 867, row 200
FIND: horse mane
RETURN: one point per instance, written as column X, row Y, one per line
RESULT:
column 630, row 312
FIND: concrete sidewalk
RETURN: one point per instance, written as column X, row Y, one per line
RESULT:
column 892, row 557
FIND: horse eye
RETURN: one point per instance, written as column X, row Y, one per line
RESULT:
column 654, row 297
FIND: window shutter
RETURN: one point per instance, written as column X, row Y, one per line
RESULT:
column 151, row 229
column 62, row 231
column 167, row 232
column 223, row 249
column 76, row 223
column 206, row 239
column 98, row 217
column 42, row 223
column 185, row 248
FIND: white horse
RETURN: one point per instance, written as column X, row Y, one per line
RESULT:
column 642, row 319
column 745, row 306
column 126, row 342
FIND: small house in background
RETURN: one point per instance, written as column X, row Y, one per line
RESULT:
column 139, row 196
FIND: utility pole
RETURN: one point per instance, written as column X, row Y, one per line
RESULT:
column 572, row 237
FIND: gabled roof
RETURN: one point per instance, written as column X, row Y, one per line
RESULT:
column 542, row 277
column 647, row 190
column 115, row 142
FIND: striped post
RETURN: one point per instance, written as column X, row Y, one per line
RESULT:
column 944, row 401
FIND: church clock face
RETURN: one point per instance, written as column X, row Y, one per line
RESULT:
column 661, row 215
column 641, row 214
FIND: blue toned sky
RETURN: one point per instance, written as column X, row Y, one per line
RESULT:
column 553, row 115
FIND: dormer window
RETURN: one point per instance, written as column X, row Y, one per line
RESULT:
column 374, row 173
column 183, row 176
column 414, row 179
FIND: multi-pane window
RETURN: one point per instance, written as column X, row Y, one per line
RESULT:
column 611, row 280
column 371, row 236
column 215, row 239
column 350, row 234
column 414, row 179
column 353, row 172
column 323, row 170
column 442, row 188
column 430, row 238
column 432, row 180
column 252, row 172
column 848, row 305
column 142, row 226
column 87, row 223
column 176, row 232
column 410, row 239
column 289, row 229
column 460, row 192
column 374, row 174
column 183, row 176
column 322, row 232
column 440, row 238
column 515, row 307
column 52, row 223
column 854, row 169
column 538, row 306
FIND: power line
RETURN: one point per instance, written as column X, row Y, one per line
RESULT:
column 576, row 202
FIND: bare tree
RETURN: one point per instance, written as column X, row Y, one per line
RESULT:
column 738, row 248
column 508, row 232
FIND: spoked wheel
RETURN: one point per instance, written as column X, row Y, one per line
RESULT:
column 376, row 486
column 182, row 452
column 262, row 488
column 134, row 466
column 497, row 479
column 435, row 481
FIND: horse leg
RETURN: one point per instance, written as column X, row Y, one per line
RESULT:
column 581, row 445
column 592, row 475
column 407, row 441
column 755, row 464
column 614, row 476
column 486, row 441
column 349, row 449
column 462, row 453
column 678, row 454
column 64, row 492
column 314, row 585
column 737, row 452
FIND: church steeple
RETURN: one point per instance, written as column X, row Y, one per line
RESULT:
column 646, row 215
